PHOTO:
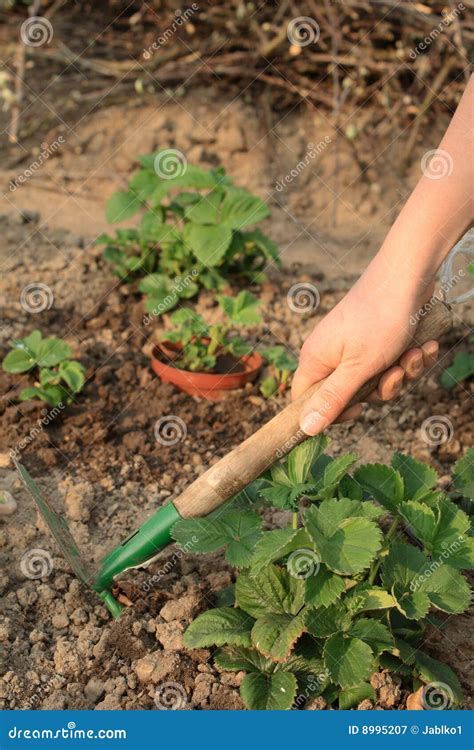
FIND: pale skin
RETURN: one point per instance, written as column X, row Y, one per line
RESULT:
column 368, row 331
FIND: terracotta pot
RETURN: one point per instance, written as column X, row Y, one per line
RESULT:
column 209, row 385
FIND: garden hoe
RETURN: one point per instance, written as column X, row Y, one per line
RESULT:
column 226, row 478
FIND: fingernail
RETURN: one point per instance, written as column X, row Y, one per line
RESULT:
column 313, row 422
column 432, row 349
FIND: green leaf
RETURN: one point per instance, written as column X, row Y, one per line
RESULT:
column 382, row 483
column 218, row 627
column 334, row 471
column 303, row 456
column 374, row 633
column 237, row 530
column 240, row 208
column 414, row 605
column 353, row 696
column 73, row 374
column 205, row 209
column 151, row 224
column 461, row 369
column 421, row 520
column 418, row 478
column 242, row 309
column 52, row 351
column 275, row 635
column 32, row 341
column 209, row 243
column 268, row 248
column 272, row 590
column 376, row 598
column 324, row 621
column 143, row 183
column 463, row 473
column 121, row 206
column 268, row 692
column 347, row 545
column 403, row 566
column 31, row 392
column 431, row 671
column 275, row 545
column 324, row 588
column 18, row 361
column 446, row 588
column 240, row 658
column 349, row 660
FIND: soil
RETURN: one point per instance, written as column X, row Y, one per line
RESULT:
column 100, row 461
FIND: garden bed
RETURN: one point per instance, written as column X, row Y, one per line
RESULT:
column 101, row 461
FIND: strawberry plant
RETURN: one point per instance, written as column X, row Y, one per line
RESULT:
column 282, row 364
column 195, row 221
column 203, row 343
column 347, row 588
column 58, row 376
column 461, row 369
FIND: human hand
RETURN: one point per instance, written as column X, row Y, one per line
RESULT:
column 366, row 334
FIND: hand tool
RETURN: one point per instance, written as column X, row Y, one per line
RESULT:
column 222, row 481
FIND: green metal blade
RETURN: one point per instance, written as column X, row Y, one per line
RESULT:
column 59, row 529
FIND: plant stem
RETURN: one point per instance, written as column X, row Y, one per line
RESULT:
column 388, row 538
column 294, row 520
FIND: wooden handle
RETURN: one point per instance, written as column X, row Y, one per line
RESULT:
column 276, row 438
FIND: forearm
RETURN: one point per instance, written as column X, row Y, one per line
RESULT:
column 438, row 211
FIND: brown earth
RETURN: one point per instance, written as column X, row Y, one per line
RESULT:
column 101, row 462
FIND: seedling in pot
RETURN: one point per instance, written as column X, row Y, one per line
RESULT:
column 194, row 221
column 59, row 377
column 341, row 592
column 201, row 343
column 282, row 364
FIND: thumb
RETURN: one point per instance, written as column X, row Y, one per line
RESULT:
column 330, row 399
